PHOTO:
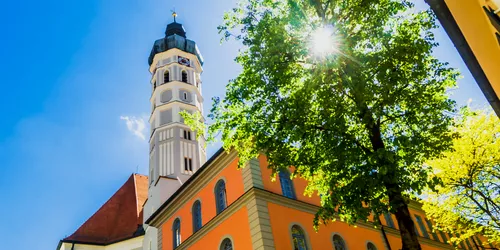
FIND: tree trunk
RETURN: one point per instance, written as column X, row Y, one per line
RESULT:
column 396, row 199
column 403, row 216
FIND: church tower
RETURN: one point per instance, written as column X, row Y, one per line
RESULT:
column 174, row 154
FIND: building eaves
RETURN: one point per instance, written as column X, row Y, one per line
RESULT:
column 453, row 30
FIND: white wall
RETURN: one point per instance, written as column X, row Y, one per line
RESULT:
column 151, row 238
column 158, row 194
column 131, row 244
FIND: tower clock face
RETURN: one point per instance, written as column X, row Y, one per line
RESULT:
column 183, row 61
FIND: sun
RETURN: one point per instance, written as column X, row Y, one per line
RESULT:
column 323, row 41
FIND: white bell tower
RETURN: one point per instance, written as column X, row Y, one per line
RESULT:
column 174, row 153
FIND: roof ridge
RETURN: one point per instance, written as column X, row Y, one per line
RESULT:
column 135, row 195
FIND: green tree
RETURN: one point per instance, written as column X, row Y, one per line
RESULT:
column 467, row 201
column 357, row 121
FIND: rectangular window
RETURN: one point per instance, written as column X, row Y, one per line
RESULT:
column 388, row 220
column 188, row 164
column 287, row 189
column 462, row 245
column 434, row 235
column 422, row 226
column 187, row 135
column 415, row 227
column 166, row 77
column 477, row 241
column 468, row 244
column 443, row 235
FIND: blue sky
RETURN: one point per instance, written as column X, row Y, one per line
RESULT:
column 72, row 74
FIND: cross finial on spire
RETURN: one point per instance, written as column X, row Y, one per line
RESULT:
column 174, row 14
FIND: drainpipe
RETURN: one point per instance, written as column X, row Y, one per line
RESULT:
column 73, row 246
column 385, row 238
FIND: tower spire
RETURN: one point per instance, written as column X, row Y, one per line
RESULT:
column 174, row 14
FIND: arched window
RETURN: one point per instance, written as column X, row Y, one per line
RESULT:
column 184, row 76
column 286, row 184
column 220, row 196
column 298, row 238
column 176, row 231
column 226, row 244
column 166, row 76
column 338, row 242
column 196, row 216
column 371, row 246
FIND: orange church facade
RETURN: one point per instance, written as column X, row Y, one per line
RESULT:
column 257, row 214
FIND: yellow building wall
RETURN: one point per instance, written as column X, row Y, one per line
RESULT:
column 480, row 35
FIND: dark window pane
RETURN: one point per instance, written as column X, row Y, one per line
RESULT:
column 220, row 192
column 166, row 77
column 468, row 244
column 415, row 227
column 338, row 243
column 422, row 226
column 389, row 221
column 462, row 245
column 184, row 76
column 286, row 184
column 478, row 241
column 443, row 235
column 434, row 235
column 299, row 239
column 226, row 244
column 370, row 246
column 197, row 224
column 176, row 230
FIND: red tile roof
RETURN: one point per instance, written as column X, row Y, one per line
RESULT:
column 119, row 218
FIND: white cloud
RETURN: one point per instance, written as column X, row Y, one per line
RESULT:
column 135, row 125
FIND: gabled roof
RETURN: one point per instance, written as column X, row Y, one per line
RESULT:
column 120, row 218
